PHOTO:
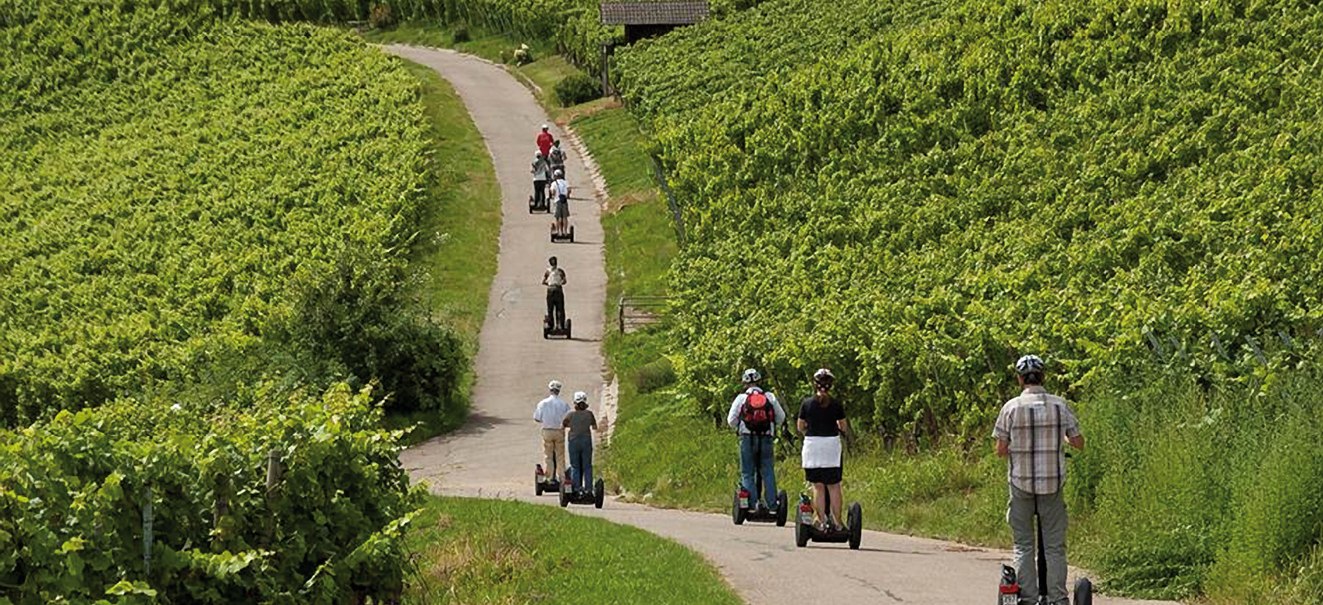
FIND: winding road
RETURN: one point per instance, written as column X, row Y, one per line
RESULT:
column 493, row 455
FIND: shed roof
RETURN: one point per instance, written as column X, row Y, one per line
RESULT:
column 653, row 13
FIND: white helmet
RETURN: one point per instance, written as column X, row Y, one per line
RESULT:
column 554, row 386
column 544, row 127
column 1028, row 365
column 580, row 397
column 751, row 375
column 559, row 173
column 537, row 154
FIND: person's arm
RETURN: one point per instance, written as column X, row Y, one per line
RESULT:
column 545, row 275
column 594, row 416
column 801, row 425
column 778, row 413
column 1001, row 432
column 563, row 280
column 537, row 413
column 1073, row 434
column 733, row 416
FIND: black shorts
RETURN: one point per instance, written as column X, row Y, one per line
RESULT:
column 829, row 476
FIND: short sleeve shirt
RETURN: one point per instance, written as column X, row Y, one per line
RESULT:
column 580, row 423
column 821, row 419
column 562, row 188
column 551, row 412
column 1036, row 424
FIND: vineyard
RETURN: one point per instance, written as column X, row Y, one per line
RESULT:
column 1077, row 179
column 206, row 228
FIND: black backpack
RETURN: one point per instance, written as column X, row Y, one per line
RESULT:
column 757, row 413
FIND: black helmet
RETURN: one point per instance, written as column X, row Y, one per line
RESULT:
column 823, row 378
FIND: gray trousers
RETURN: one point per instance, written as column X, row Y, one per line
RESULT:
column 1052, row 515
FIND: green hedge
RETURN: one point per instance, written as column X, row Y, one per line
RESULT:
column 301, row 500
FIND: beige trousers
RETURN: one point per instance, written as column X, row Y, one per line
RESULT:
column 555, row 460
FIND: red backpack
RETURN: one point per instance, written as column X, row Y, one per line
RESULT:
column 757, row 413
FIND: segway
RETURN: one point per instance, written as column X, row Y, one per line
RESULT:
column 542, row 482
column 806, row 531
column 740, row 511
column 549, row 330
column 533, row 206
column 595, row 497
column 567, row 236
column 1009, row 589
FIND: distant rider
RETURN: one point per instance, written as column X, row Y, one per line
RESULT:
column 541, row 174
column 544, row 141
column 755, row 414
column 562, row 210
column 581, row 423
column 822, row 422
column 551, row 413
column 1030, row 432
column 557, row 157
column 554, row 279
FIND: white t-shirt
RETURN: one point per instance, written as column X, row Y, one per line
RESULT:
column 555, row 277
column 562, row 187
column 551, row 412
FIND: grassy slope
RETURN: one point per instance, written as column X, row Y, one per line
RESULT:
column 491, row 551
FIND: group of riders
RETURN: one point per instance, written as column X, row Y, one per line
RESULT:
column 549, row 184
column 1031, row 429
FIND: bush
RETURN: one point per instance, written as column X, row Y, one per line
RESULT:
column 577, row 88
column 461, row 34
column 301, row 500
column 381, row 16
column 654, row 375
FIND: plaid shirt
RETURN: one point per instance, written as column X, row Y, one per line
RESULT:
column 1036, row 424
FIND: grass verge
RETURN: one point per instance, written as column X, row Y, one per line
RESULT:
column 454, row 258
column 493, row 551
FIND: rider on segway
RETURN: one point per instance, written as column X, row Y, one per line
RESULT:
column 554, row 279
column 550, row 414
column 1031, row 431
column 822, row 422
column 755, row 414
column 541, row 171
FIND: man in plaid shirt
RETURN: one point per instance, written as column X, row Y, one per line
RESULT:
column 1030, row 432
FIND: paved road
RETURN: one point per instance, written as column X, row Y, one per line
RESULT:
column 493, row 455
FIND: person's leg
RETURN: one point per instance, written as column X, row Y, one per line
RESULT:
column 576, row 463
column 558, row 308
column 1020, row 516
column 767, row 466
column 835, row 491
column 587, row 463
column 1052, row 516
column 549, row 455
column 539, row 193
column 561, row 452
column 820, row 501
column 746, row 467
column 551, row 306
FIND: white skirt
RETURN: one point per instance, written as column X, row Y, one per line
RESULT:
column 821, row 452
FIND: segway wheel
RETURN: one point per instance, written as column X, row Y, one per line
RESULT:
column 782, row 507
column 564, row 498
column 567, row 328
column 537, row 487
column 855, row 519
column 736, row 511
column 571, row 234
column 1083, row 592
column 802, row 534
column 599, row 493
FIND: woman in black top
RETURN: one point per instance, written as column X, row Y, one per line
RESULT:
column 822, row 422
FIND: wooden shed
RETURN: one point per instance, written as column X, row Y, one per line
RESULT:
column 649, row 19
